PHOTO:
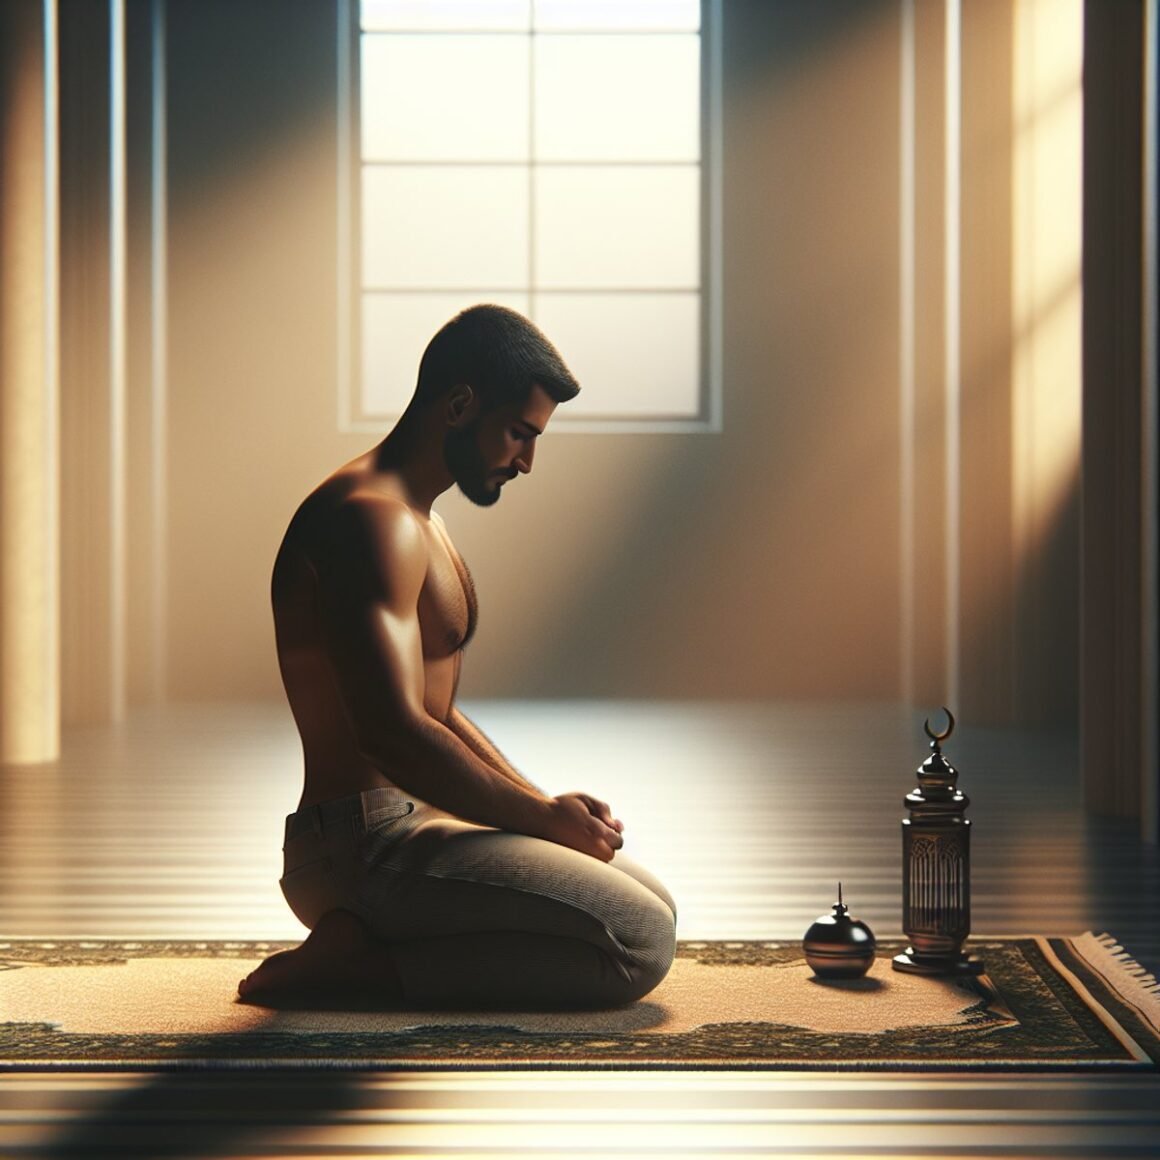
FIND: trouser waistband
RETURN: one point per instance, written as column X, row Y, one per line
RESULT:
column 356, row 805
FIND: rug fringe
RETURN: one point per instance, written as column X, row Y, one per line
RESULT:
column 1130, row 980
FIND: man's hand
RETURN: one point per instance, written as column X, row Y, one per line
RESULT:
column 584, row 823
column 599, row 809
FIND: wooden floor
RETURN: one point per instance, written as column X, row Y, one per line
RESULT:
column 170, row 826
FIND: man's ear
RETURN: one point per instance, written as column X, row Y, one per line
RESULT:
column 459, row 405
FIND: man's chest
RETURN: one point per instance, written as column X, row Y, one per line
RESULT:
column 447, row 605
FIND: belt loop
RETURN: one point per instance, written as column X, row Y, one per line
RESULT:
column 316, row 820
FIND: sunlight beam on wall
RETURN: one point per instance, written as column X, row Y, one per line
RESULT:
column 158, row 276
column 118, row 402
column 29, row 391
column 953, row 369
column 907, row 367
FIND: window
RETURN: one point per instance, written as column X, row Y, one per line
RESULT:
column 555, row 156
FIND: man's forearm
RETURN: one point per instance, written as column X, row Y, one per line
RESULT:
column 433, row 762
column 426, row 758
column 484, row 748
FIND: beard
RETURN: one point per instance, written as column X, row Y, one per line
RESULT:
column 461, row 454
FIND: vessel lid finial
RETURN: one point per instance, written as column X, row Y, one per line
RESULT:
column 840, row 908
column 936, row 739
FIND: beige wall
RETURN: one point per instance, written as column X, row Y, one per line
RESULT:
column 30, row 716
column 762, row 561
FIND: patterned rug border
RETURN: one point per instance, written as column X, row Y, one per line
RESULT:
column 1060, row 1028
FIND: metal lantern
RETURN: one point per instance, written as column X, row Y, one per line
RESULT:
column 936, row 869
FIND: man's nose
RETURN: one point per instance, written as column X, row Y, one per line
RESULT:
column 523, row 463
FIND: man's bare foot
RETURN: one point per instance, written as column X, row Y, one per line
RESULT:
column 339, row 959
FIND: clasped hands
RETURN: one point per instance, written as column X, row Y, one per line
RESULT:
column 584, row 823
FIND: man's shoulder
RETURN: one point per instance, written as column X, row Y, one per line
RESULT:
column 370, row 527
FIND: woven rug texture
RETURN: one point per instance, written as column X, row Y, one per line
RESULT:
column 1043, row 1003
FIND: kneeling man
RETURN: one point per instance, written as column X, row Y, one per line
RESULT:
column 428, row 870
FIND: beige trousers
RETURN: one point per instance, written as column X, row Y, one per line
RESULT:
column 478, row 917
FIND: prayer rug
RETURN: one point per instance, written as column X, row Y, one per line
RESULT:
column 1043, row 1003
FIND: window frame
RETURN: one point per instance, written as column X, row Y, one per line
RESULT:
column 352, row 419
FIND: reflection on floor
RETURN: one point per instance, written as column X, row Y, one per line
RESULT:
column 170, row 826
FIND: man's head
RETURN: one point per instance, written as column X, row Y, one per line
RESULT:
column 499, row 353
column 497, row 380
column 485, row 449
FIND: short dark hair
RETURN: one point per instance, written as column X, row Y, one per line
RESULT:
column 498, row 353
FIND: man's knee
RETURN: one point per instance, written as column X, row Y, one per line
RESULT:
column 651, row 949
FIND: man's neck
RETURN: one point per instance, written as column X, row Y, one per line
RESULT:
column 412, row 457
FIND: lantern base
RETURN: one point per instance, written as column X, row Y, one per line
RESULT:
column 913, row 962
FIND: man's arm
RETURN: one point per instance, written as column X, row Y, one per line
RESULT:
column 484, row 748
column 369, row 587
column 465, row 729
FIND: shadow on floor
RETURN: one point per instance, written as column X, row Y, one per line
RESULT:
column 199, row 1114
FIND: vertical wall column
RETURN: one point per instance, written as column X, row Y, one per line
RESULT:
column 1115, row 508
column 926, row 396
column 990, row 286
column 145, row 369
column 29, row 622
column 92, row 286
column 1046, row 356
column 1150, row 685
column 960, row 399
column 985, row 459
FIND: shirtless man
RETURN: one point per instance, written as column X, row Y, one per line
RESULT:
column 428, row 869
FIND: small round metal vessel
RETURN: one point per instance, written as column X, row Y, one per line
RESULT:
column 839, row 947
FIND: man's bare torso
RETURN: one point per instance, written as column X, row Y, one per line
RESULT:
column 311, row 556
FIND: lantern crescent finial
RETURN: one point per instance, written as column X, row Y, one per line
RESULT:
column 939, row 737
